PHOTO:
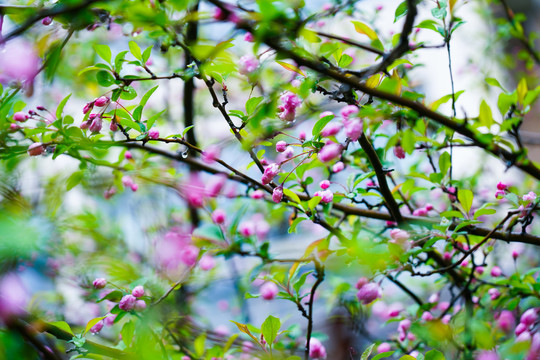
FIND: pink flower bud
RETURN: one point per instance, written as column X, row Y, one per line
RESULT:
column 20, row 116
column 399, row 235
column 109, row 320
column 420, row 212
column 447, row 256
column 153, row 134
column 327, row 196
column 361, row 282
column 502, row 186
column 316, row 349
column 446, row 319
column 14, row 127
column 506, row 321
column 404, row 325
column 113, row 126
column 331, row 129
column 325, row 184
column 443, row 306
column 47, row 20
column 134, row 187
column 247, row 64
column 215, row 185
column 246, row 229
column 499, row 194
column 277, row 194
column 218, row 216
column 99, row 283
column 329, row 152
column 128, row 155
column 140, row 305
column 211, row 154
column 138, row 291
column 383, row 347
column 354, row 129
column 480, row 270
column 219, row 14
column 524, row 336
column 520, row 328
column 302, row 136
column 269, row 290
column 88, row 107
column 101, row 101
column 531, row 196
column 288, row 115
column 127, row 303
column 35, row 149
column 127, row 181
column 529, row 317
column 207, row 262
column 426, row 316
column 97, row 327
column 349, row 111
column 487, row 355
column 96, row 124
column 269, row 173
column 496, row 271
column 189, row 255
column 399, row 152
column 338, row 167
column 494, row 293
column 257, row 194
column 249, row 37
column 281, row 146
column 368, row 293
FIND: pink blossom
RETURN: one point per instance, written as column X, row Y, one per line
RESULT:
column 248, row 64
column 394, row 310
column 331, row 129
column 153, row 134
column 289, row 103
column 496, row 271
column 420, row 212
column 348, row 111
column 399, row 235
column 502, row 186
column 138, row 291
column 288, row 153
column 189, row 255
column 194, row 191
column 531, row 196
column 211, row 154
column 354, row 129
column 361, row 282
column 101, row 101
column 249, row 37
column 434, row 298
column 506, row 321
column 316, row 349
column 97, row 327
column 257, row 194
column 329, row 152
column 35, row 149
column 446, row 319
column 487, row 355
column 427, row 316
column 19, row 62
column 404, row 325
column 246, row 228
column 277, row 194
column 327, row 196
column 127, row 303
column 281, row 146
column 109, row 320
column 368, row 293
column 383, row 347
column 127, row 181
column 20, row 116
column 128, row 155
column 207, row 262
column 339, row 166
column 399, row 152
column 218, row 216
column 99, row 283
column 443, row 306
column 13, row 296
column 215, row 185
column 96, row 124
column 139, row 305
column 269, row 290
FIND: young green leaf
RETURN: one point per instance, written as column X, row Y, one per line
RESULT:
column 270, row 328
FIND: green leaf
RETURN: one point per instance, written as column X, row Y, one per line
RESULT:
column 345, row 60
column 367, row 352
column 113, row 296
column 92, row 322
column 62, row 325
column 320, row 124
column 184, row 132
column 452, row 213
column 496, row 83
column 146, row 96
column 104, row 78
column 252, row 103
column 439, row 12
column 128, row 93
column 129, row 123
column 465, row 198
column 243, row 328
column 61, row 106
column 313, row 202
column 295, row 223
column 481, row 212
column 485, row 117
column 127, row 332
column 198, row 345
column 428, row 24
column 434, row 355
column 444, row 162
column 363, row 28
column 229, row 342
column 119, row 60
column 383, row 355
column 401, row 11
column 522, row 90
column 135, row 50
column 407, row 357
column 270, row 328
column 103, row 52
column 150, row 122
column 146, row 54
column 291, row 195
column 301, row 280
column 74, row 179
